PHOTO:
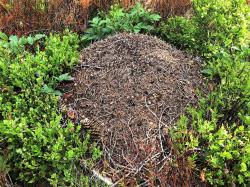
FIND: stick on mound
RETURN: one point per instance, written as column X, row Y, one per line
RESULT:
column 129, row 88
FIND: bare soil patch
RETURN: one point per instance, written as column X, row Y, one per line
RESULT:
column 128, row 90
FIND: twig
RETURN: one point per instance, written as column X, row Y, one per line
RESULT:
column 100, row 177
column 90, row 66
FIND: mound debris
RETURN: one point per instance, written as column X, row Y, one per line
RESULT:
column 128, row 90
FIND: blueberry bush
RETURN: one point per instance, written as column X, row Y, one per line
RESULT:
column 219, row 127
column 33, row 145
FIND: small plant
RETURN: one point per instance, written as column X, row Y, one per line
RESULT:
column 223, row 150
column 59, row 79
column 18, row 45
column 216, row 27
column 39, row 67
column 136, row 20
column 180, row 31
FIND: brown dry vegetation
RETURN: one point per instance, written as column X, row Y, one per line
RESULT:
column 25, row 16
column 164, row 7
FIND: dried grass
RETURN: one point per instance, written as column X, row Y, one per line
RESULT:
column 170, row 7
column 25, row 16
column 164, row 7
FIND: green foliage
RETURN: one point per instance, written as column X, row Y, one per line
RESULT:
column 17, row 45
column 44, row 151
column 225, row 150
column 61, row 55
column 179, row 31
column 48, row 90
column 61, row 78
column 219, row 127
column 3, row 166
column 222, row 25
column 37, row 146
column 64, row 77
column 25, row 69
column 216, row 26
column 136, row 20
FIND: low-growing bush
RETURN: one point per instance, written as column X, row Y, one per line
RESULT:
column 179, row 31
column 136, row 20
column 34, row 145
column 217, row 131
column 221, row 151
column 216, row 27
column 22, row 69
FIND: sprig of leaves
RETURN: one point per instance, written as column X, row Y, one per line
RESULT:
column 136, row 20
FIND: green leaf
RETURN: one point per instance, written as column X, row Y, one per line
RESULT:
column 3, row 36
column 247, row 120
column 226, row 155
column 207, row 72
column 23, row 41
column 155, row 17
column 215, row 162
column 70, row 154
column 240, row 179
column 13, row 42
column 243, row 167
column 64, row 77
column 49, row 90
column 30, row 40
column 136, row 30
column 39, row 36
column 95, row 20
column 14, row 39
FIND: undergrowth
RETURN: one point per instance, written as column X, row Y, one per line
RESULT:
column 34, row 147
column 218, row 130
column 135, row 20
column 213, row 138
column 31, row 16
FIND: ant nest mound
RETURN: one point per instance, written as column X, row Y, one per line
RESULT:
column 128, row 89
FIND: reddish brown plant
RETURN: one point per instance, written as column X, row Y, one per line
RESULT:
column 29, row 16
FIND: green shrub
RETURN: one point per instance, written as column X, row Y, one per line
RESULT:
column 33, row 143
column 179, row 31
column 224, row 152
column 43, row 151
column 220, row 129
column 222, row 25
column 25, row 69
column 214, row 26
column 18, row 45
column 136, row 20
column 217, row 132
